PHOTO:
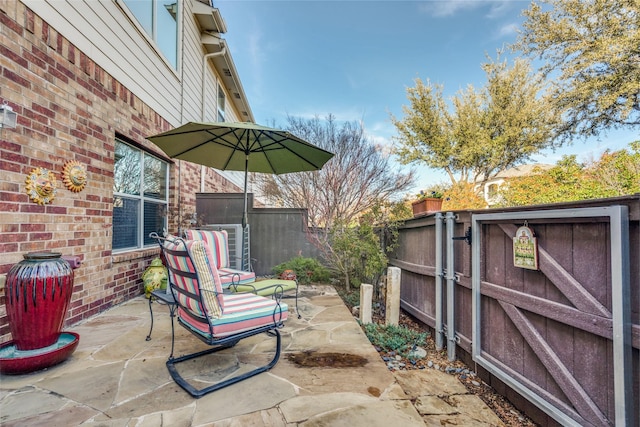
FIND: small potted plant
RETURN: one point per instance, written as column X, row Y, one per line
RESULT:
column 427, row 203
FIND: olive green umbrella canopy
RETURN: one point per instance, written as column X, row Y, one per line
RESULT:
column 241, row 146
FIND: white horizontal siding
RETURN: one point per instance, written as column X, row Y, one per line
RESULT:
column 106, row 34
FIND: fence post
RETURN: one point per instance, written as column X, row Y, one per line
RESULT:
column 451, row 278
column 366, row 296
column 392, row 313
column 439, row 333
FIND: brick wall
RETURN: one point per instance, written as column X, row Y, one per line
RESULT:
column 71, row 109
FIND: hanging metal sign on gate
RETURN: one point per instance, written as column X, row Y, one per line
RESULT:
column 525, row 248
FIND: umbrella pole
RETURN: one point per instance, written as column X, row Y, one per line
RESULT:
column 244, row 214
column 246, row 174
column 179, row 204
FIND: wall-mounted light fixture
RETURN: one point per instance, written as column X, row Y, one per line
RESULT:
column 8, row 117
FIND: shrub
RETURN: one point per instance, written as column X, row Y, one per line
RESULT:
column 351, row 298
column 307, row 270
column 394, row 338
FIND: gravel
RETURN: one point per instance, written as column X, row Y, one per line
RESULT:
column 435, row 359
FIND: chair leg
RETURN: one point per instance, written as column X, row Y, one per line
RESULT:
column 172, row 314
column 151, row 313
column 197, row 393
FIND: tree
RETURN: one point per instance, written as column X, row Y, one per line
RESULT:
column 591, row 48
column 562, row 183
column 463, row 195
column 358, row 252
column 618, row 173
column 614, row 174
column 355, row 180
column 344, row 197
column 488, row 131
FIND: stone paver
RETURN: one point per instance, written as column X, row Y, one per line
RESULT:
column 118, row 379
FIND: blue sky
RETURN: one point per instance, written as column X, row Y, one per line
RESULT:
column 355, row 60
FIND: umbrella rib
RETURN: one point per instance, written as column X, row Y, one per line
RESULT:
column 238, row 139
column 268, row 147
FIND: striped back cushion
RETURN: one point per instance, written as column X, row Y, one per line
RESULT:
column 218, row 242
column 182, row 272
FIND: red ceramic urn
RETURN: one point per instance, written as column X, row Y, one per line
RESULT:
column 37, row 295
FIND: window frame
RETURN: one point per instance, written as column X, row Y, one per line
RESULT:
column 152, row 38
column 221, row 101
column 141, row 198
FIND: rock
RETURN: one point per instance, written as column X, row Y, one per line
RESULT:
column 417, row 353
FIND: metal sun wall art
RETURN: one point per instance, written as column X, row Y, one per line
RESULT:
column 74, row 176
column 41, row 186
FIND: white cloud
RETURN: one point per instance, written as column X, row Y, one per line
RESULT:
column 442, row 8
column 450, row 7
column 508, row 30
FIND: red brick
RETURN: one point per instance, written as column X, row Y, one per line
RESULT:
column 25, row 228
column 77, row 129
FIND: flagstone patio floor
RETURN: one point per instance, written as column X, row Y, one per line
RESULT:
column 116, row 378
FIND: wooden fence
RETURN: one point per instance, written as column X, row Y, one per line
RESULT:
column 560, row 341
column 276, row 234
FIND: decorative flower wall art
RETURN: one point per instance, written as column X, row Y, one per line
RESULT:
column 41, row 186
column 74, row 176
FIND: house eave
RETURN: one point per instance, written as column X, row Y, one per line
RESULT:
column 209, row 18
column 212, row 26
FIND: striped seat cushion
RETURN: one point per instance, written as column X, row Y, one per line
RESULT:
column 218, row 242
column 241, row 312
column 230, row 276
column 208, row 279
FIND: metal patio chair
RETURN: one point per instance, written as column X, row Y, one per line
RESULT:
column 218, row 319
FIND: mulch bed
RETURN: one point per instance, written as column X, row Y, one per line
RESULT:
column 438, row 359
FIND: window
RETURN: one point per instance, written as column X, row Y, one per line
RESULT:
column 492, row 190
column 221, row 99
column 140, row 197
column 159, row 19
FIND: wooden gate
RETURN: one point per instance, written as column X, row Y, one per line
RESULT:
column 556, row 335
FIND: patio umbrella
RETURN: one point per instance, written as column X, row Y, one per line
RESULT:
column 241, row 146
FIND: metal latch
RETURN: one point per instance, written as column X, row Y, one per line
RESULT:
column 466, row 237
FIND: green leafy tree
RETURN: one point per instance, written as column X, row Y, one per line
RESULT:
column 618, row 173
column 463, row 195
column 590, row 48
column 614, row 174
column 564, row 182
column 487, row 132
column 356, row 252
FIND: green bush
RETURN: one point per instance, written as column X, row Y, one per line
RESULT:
column 394, row 338
column 351, row 298
column 307, row 270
